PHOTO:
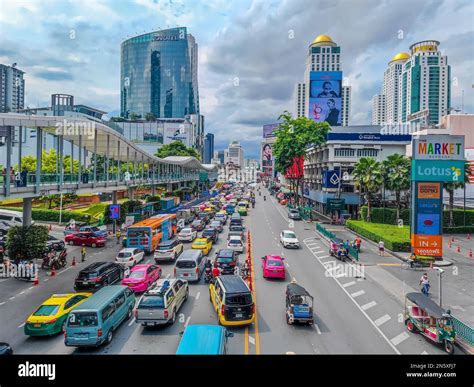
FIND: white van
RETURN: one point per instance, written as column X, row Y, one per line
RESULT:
column 14, row 218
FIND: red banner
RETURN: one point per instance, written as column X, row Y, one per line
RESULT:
column 296, row 171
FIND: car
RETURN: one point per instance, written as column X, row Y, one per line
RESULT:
column 5, row 349
column 54, row 244
column 294, row 214
column 204, row 244
column 217, row 224
column 236, row 230
column 130, row 256
column 142, row 277
column 204, row 216
column 98, row 275
column 227, row 260
column 82, row 227
column 273, row 267
column 85, row 239
column 168, row 250
column 187, row 234
column 198, row 225
column 221, row 216
column 211, row 233
column 288, row 239
column 235, row 243
column 50, row 317
column 160, row 305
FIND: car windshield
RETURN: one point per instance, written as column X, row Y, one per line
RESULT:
column 185, row 264
column 152, row 302
column 137, row 274
column 215, row 224
column 235, row 242
column 124, row 255
column 165, row 247
column 224, row 259
column 274, row 263
column 196, row 223
column 294, row 211
column 289, row 234
column 82, row 319
column 186, row 231
column 199, row 243
column 46, row 310
column 87, row 275
column 235, row 228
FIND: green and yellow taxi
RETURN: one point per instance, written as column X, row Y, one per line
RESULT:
column 204, row 244
column 50, row 318
column 242, row 208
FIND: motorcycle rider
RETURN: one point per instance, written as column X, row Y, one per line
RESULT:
column 216, row 271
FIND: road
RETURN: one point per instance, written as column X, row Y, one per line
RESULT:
column 352, row 315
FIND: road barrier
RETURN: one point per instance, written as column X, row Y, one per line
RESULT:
column 463, row 331
column 326, row 233
column 249, row 260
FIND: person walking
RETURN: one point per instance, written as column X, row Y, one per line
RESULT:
column 425, row 284
column 381, row 248
column 83, row 254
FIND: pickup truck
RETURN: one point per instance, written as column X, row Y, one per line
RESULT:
column 96, row 231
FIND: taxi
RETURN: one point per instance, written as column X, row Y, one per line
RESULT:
column 50, row 318
column 204, row 244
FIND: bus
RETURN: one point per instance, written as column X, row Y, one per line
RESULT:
column 146, row 234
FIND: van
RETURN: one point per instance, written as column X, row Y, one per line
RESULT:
column 190, row 265
column 95, row 321
column 13, row 218
column 232, row 300
column 204, row 340
column 236, row 220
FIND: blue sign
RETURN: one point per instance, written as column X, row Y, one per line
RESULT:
column 428, row 206
column 114, row 211
column 428, row 224
column 331, row 179
column 369, row 137
column 437, row 170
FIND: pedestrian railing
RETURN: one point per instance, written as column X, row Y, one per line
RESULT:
column 325, row 232
column 463, row 331
column 354, row 252
column 305, row 213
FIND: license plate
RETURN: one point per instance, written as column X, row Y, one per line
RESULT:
column 85, row 282
column 185, row 274
column 238, row 315
column 36, row 325
column 275, row 271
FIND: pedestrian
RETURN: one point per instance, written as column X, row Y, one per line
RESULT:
column 381, row 248
column 347, row 244
column 83, row 254
column 425, row 284
column 216, row 271
column 358, row 242
column 24, row 177
column 119, row 235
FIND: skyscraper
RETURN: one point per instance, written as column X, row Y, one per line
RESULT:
column 323, row 67
column 159, row 74
column 208, row 148
column 12, row 89
column 235, row 154
column 425, row 84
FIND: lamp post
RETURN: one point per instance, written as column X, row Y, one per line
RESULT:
column 440, row 271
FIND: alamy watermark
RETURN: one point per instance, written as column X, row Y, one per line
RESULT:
column 336, row 270
column 390, row 128
column 21, row 270
column 76, row 128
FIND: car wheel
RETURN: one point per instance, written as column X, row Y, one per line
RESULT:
column 186, row 295
column 71, row 243
column 63, row 326
column 173, row 317
column 175, row 256
column 448, row 347
column 94, row 245
column 410, row 326
column 129, row 313
column 110, row 336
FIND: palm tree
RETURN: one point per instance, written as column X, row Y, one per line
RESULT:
column 368, row 175
column 396, row 171
column 453, row 186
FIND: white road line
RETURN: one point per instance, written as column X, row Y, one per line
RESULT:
column 132, row 321
column 2, row 303
column 21, row 325
column 251, row 340
column 312, row 244
column 357, row 294
column 424, row 353
column 62, row 271
column 323, row 257
column 46, row 280
column 23, row 292
column 369, row 305
column 316, row 326
column 346, row 285
column 400, row 338
column 382, row 320
column 31, row 287
column 329, row 263
column 12, row 298
column 187, row 321
column 197, row 295
column 287, row 265
column 148, row 261
column 317, row 252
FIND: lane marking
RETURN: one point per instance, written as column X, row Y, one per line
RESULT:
column 357, row 294
column 187, row 321
column 197, row 295
column 131, row 322
column 424, row 353
column 369, row 305
column 12, row 298
column 21, row 325
column 46, row 280
column 323, row 257
column 349, row 284
column 2, row 303
column 382, row 320
column 400, row 338
column 257, row 336
column 23, row 292
column 316, row 326
column 251, row 340
column 62, row 271
column 329, row 263
column 317, row 252
column 246, row 341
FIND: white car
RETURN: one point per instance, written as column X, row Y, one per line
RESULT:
column 235, row 243
column 288, row 239
column 130, row 257
column 187, row 235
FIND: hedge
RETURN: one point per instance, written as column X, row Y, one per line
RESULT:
column 390, row 216
column 395, row 238
column 42, row 215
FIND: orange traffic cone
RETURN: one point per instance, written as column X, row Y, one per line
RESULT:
column 470, row 253
column 53, row 271
column 73, row 263
column 459, row 249
column 468, row 236
column 36, row 281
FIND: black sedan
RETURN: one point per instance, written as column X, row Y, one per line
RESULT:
column 5, row 349
column 211, row 233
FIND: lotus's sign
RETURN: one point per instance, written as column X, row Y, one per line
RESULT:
column 440, row 171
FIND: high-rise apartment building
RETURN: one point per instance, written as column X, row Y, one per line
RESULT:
column 12, row 88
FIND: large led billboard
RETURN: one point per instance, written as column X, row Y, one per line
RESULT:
column 325, row 97
column 267, row 158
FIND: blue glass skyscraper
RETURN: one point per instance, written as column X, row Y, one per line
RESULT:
column 159, row 74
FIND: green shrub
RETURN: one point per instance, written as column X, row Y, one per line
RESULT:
column 26, row 242
column 459, row 230
column 395, row 238
column 43, row 215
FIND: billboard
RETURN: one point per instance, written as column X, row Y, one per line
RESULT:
column 428, row 245
column 438, row 147
column 325, row 99
column 267, row 158
column 174, row 134
column 269, row 130
column 437, row 170
column 331, row 178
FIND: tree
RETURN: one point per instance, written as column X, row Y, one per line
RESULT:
column 176, row 148
column 396, row 172
column 293, row 137
column 26, row 242
column 453, row 186
column 150, row 117
column 369, row 177
column 135, row 116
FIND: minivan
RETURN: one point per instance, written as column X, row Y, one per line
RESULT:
column 203, row 340
column 232, row 300
column 95, row 321
column 236, row 220
column 98, row 275
column 13, row 218
column 190, row 265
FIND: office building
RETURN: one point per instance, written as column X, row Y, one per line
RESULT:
column 208, row 148
column 12, row 89
column 378, row 109
column 234, row 154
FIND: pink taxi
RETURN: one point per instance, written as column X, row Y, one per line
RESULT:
column 141, row 277
column 273, row 267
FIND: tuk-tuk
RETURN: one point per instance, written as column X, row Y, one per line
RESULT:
column 299, row 305
column 337, row 249
column 423, row 315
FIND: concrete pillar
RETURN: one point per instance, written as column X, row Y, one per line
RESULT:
column 130, row 193
column 79, row 169
column 20, row 146
column 9, row 160
column 39, row 154
column 107, row 158
column 27, row 206
column 95, row 158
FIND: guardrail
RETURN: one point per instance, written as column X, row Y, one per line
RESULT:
column 326, row 233
column 463, row 331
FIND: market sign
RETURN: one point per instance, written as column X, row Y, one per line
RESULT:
column 446, row 171
column 336, row 204
column 438, row 147
column 427, row 245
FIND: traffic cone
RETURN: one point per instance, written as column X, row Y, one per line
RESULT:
column 36, row 281
column 468, row 236
column 73, row 263
column 53, row 271
column 470, row 253
column 459, row 249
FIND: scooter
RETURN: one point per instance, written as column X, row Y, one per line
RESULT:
column 208, row 274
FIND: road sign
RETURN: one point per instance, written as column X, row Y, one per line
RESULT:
column 336, row 204
column 427, row 245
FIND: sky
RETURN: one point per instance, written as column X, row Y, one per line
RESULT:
column 251, row 53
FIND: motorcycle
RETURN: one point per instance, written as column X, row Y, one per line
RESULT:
column 208, row 274
column 54, row 261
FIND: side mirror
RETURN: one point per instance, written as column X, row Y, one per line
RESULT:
column 229, row 334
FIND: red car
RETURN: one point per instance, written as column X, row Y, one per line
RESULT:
column 273, row 267
column 85, row 239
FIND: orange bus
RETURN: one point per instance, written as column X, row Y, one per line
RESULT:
column 146, row 234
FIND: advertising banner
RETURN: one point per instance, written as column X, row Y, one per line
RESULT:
column 331, row 179
column 269, row 130
column 438, row 147
column 437, row 170
column 429, row 190
column 427, row 245
column 173, row 134
column 267, row 158
column 114, row 211
column 336, row 204
column 428, row 224
column 325, row 99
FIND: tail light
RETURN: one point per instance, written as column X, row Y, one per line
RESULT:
column 65, row 334
column 174, row 271
column 232, row 264
column 130, row 259
column 51, row 321
column 166, row 314
column 99, row 332
column 223, row 310
column 197, row 270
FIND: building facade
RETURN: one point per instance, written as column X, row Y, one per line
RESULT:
column 159, row 74
column 12, row 89
column 235, row 154
column 378, row 109
column 323, row 65
column 208, row 148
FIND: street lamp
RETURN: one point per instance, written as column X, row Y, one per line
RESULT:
column 441, row 271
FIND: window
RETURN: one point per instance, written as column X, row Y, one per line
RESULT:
column 367, row 152
column 344, row 152
column 119, row 301
column 108, row 311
